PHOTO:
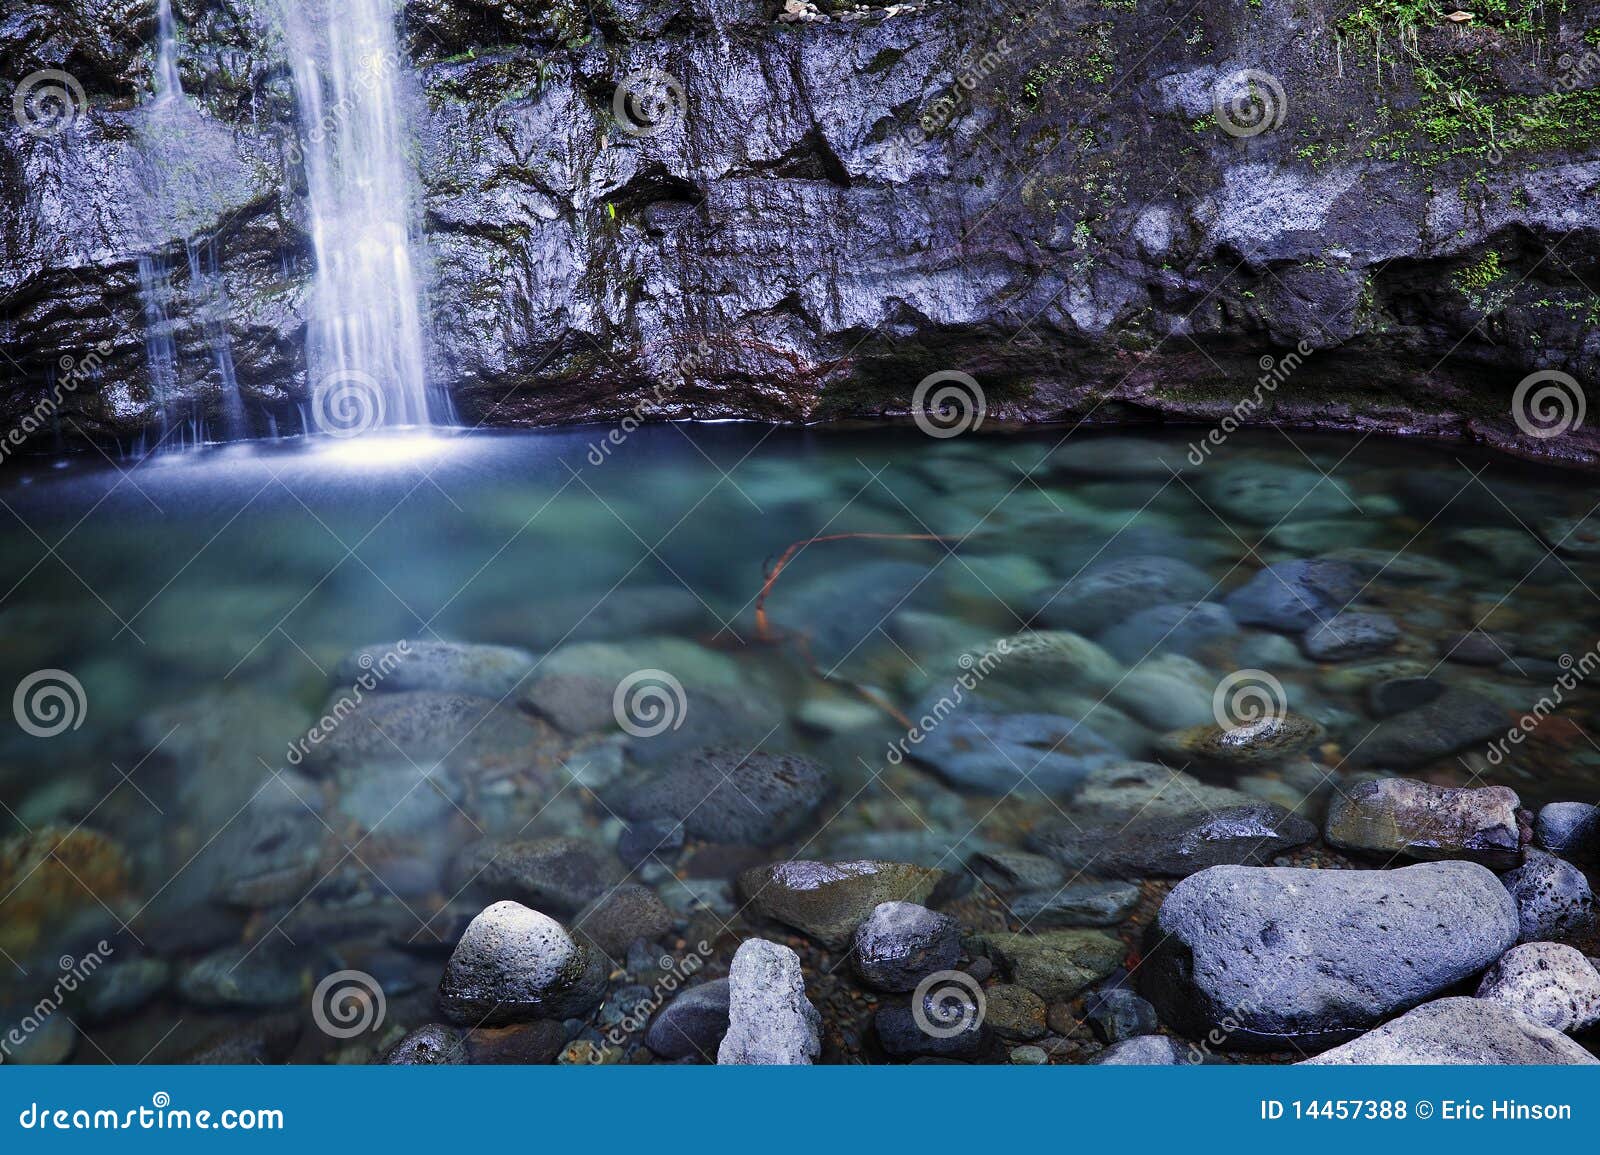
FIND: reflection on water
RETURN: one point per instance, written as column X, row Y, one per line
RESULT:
column 243, row 759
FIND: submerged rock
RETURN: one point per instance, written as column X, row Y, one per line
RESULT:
column 829, row 900
column 998, row 753
column 1014, row 1012
column 1554, row 985
column 1452, row 721
column 951, row 1022
column 264, row 974
column 1309, row 958
column 692, row 1024
column 1401, row 816
column 1120, row 1014
column 1143, row 1051
column 732, row 795
column 621, row 916
column 433, row 1044
column 1350, row 635
column 514, row 964
column 537, row 1043
column 1176, row 628
column 1263, row 742
column 1460, row 1032
column 1057, row 964
column 1088, row 903
column 449, row 667
column 900, row 943
column 770, row 1020
column 1296, row 595
column 1113, row 590
column 1265, row 494
column 1175, row 845
column 1011, row 871
column 424, row 728
column 556, row 873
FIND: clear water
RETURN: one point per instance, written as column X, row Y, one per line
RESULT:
column 203, row 602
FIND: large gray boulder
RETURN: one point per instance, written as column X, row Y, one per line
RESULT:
column 1460, row 1032
column 1309, row 958
column 770, row 1020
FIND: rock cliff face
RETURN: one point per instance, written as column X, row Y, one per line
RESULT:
column 796, row 216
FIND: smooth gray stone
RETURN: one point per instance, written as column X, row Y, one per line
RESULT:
column 1309, row 958
column 1459, row 1032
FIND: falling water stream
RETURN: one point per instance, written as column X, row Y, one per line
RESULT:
column 365, row 345
column 171, row 128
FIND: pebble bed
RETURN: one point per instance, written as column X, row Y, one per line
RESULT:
column 504, row 749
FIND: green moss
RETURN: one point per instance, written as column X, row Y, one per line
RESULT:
column 1479, row 281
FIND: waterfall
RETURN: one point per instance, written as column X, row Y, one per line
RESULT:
column 208, row 294
column 167, row 84
column 177, row 186
column 160, row 349
column 365, row 343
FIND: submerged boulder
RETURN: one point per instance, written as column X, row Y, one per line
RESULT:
column 1175, row 845
column 732, row 795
